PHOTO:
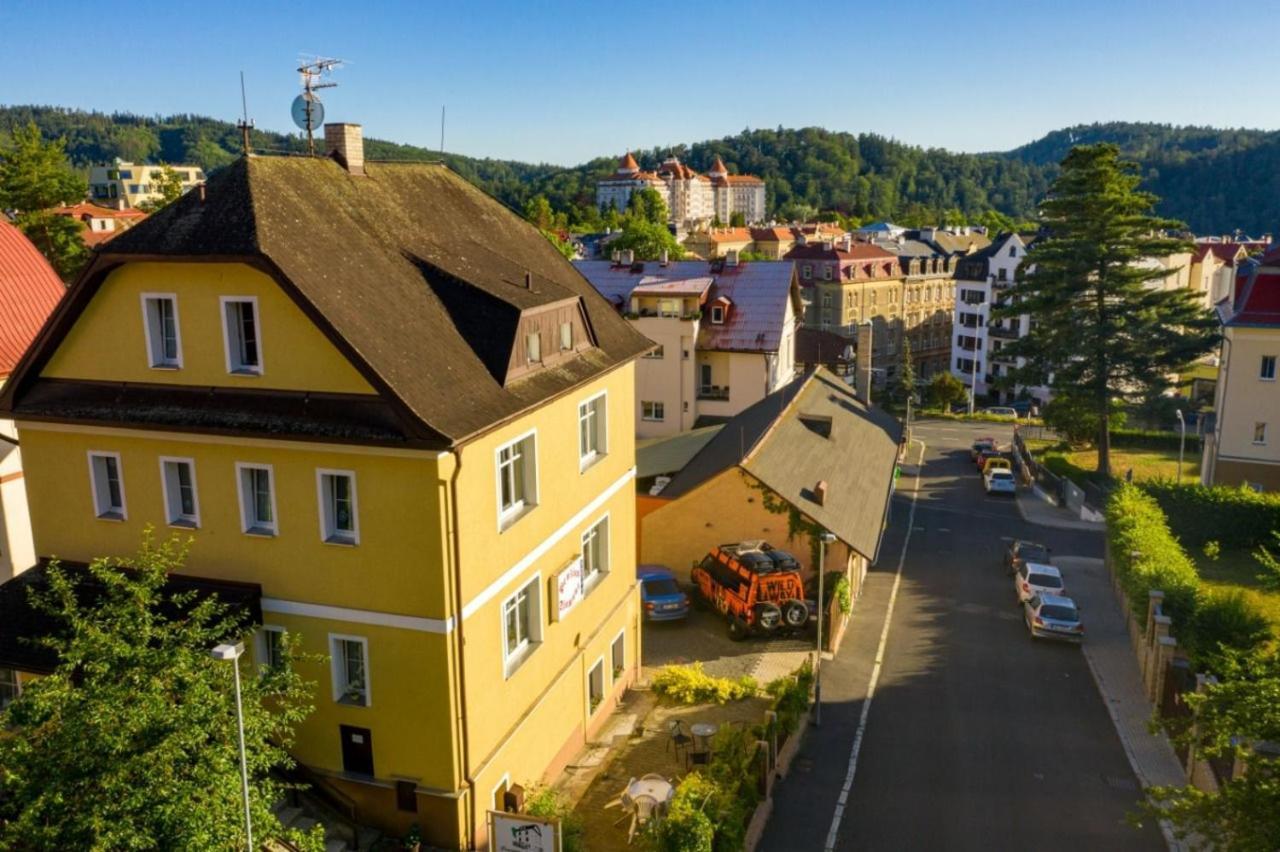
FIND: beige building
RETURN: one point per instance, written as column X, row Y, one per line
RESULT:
column 126, row 185
column 1213, row 270
column 719, row 242
column 694, row 200
column 724, row 334
column 1244, row 446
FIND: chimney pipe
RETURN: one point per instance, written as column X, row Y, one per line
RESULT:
column 345, row 143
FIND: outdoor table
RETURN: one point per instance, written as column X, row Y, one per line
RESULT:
column 703, row 732
column 658, row 788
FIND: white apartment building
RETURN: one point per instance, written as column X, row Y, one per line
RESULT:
column 693, row 199
column 125, row 185
column 725, row 334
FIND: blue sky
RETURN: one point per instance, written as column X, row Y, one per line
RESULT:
column 564, row 81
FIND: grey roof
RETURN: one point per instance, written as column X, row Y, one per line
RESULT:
column 658, row 456
column 907, row 248
column 758, row 291
column 783, row 442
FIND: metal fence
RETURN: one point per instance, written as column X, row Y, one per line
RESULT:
column 1065, row 491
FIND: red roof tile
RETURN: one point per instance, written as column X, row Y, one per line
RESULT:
column 628, row 163
column 29, row 290
column 86, row 208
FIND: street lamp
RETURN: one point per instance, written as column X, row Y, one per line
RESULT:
column 232, row 653
column 1182, row 441
column 824, row 539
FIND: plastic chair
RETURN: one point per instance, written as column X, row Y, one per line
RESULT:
column 646, row 807
column 628, row 804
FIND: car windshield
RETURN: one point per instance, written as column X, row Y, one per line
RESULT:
column 661, row 586
column 1033, row 553
column 1058, row 613
column 1045, row 581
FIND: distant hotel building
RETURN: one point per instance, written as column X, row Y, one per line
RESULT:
column 693, row 199
column 123, row 186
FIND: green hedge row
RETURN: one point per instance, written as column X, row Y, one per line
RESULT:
column 1147, row 556
column 1140, row 438
column 1236, row 518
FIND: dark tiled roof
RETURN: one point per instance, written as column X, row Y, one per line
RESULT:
column 412, row 271
column 757, row 289
column 810, row 430
column 22, row 624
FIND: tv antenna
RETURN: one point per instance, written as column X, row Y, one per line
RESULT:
column 245, row 124
column 308, row 112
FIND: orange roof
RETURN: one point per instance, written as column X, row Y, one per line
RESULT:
column 718, row 167
column 628, row 163
column 746, row 179
column 730, row 235
column 773, row 235
column 29, row 291
column 85, row 208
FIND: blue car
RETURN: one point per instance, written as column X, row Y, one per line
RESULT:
column 660, row 594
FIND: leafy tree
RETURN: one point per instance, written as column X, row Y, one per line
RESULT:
column 737, row 220
column 647, row 240
column 35, row 176
column 538, row 211
column 168, row 184
column 648, row 204
column 1097, row 327
column 131, row 743
column 1075, row 419
column 1233, row 716
column 945, row 390
column 907, row 374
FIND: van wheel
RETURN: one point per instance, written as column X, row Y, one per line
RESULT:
column 795, row 613
column 737, row 630
column 768, row 616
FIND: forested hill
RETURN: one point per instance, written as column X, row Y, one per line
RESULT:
column 1215, row 180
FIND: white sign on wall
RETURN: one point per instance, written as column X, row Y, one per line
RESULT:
column 569, row 587
column 522, row 833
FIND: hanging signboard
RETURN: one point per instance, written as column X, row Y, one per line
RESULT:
column 567, row 587
column 522, row 833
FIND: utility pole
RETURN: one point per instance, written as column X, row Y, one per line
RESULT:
column 824, row 539
column 1182, row 442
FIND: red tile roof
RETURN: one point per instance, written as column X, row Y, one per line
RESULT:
column 718, row 167
column 1226, row 252
column 29, row 290
column 85, row 208
column 857, row 251
column 730, row 235
column 772, row 235
column 1257, row 299
column 628, row 163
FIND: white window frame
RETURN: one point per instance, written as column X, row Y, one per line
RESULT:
column 330, row 534
column 657, row 354
column 613, row 667
column 234, row 370
column 268, row 530
column 1263, row 442
column 604, row 691
column 717, row 314
column 508, row 516
column 108, row 513
column 655, row 405
column 513, row 659
column 590, row 578
column 505, row 781
column 263, row 647
column 1262, row 371
column 338, row 671
column 600, row 419
column 150, row 334
column 173, row 500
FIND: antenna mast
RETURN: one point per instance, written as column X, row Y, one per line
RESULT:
column 245, row 124
column 312, row 78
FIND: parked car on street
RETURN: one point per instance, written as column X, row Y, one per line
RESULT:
column 979, row 446
column 1002, row 411
column 994, row 462
column 1050, row 616
column 1033, row 579
column 755, row 586
column 1019, row 552
column 660, row 594
column 1000, row 481
column 985, row 455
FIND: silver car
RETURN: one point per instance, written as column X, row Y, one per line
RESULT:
column 1000, row 481
column 1053, row 617
column 1033, row 578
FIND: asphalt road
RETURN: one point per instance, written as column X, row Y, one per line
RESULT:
column 977, row 738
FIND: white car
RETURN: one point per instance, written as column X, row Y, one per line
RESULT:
column 1033, row 578
column 1000, row 480
column 1053, row 617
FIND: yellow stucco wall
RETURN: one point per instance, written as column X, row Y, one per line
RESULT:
column 109, row 342
column 1245, row 399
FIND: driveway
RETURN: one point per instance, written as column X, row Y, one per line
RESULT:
column 703, row 637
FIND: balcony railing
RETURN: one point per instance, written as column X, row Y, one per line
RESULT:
column 1002, row 332
column 713, row 392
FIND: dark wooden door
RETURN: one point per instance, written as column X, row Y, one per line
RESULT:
column 357, row 750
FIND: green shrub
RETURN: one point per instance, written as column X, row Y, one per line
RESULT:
column 1223, row 621
column 791, row 697
column 1212, row 550
column 687, row 826
column 1155, row 440
column 844, row 594
column 1147, row 556
column 691, row 685
column 712, row 807
column 1236, row 518
column 548, row 803
column 1269, row 565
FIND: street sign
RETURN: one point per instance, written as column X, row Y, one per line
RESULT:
column 522, row 833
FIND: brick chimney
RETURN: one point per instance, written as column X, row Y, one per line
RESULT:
column 345, row 143
column 862, row 363
column 820, row 492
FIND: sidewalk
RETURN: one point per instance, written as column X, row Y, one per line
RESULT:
column 1111, row 659
column 1036, row 507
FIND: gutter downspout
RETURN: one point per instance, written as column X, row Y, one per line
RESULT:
column 460, row 675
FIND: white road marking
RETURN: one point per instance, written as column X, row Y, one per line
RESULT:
column 838, row 815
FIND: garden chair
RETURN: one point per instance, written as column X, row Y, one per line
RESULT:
column 628, row 806
column 678, row 734
column 695, row 757
column 646, row 808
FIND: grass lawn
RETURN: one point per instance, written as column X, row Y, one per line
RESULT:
column 1146, row 463
column 1237, row 569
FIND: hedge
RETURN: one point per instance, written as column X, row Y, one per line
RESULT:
column 1135, row 438
column 1147, row 556
column 1236, row 518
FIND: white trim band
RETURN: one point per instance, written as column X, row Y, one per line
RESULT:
column 358, row 616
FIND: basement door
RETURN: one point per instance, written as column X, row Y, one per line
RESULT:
column 357, row 750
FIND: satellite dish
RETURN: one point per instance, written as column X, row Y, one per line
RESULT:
column 300, row 110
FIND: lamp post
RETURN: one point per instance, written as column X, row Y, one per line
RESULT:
column 824, row 539
column 232, row 653
column 1182, row 442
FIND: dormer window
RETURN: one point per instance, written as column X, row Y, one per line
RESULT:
column 566, row 336
column 717, row 314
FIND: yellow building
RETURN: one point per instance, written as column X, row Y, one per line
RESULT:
column 1244, row 445
column 123, row 186
column 388, row 402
